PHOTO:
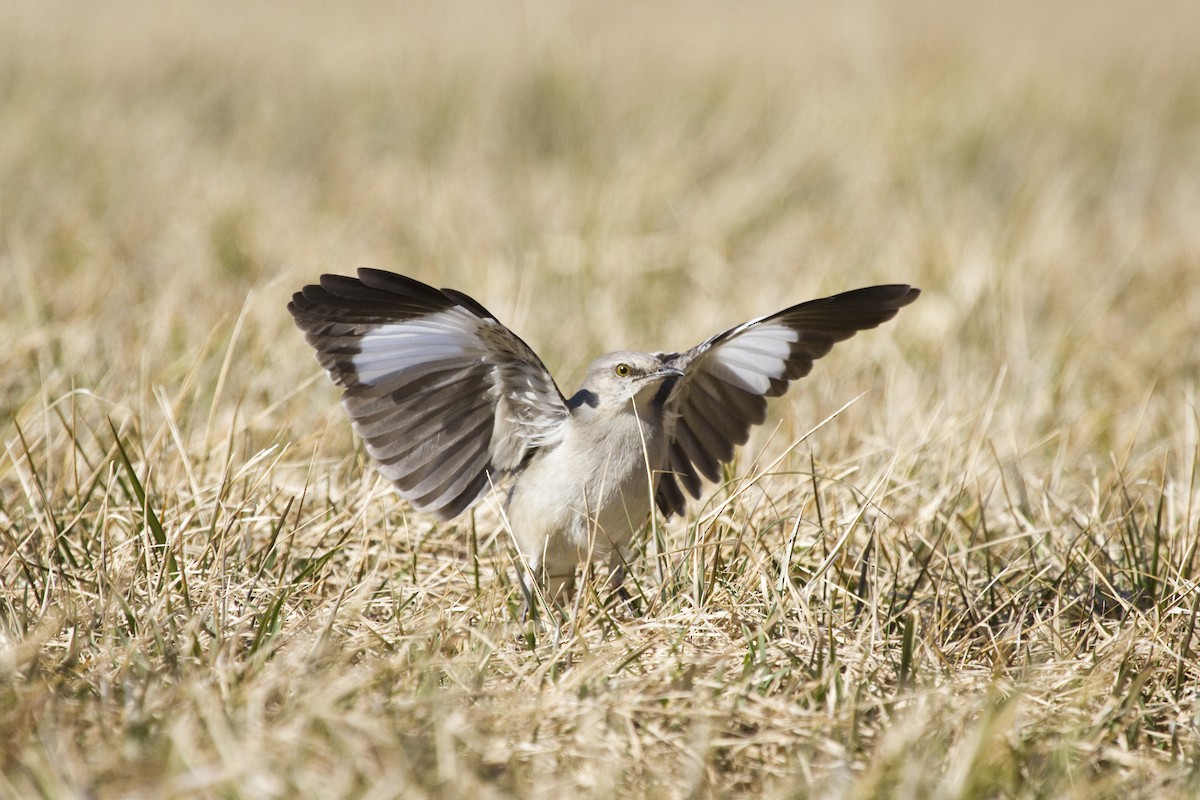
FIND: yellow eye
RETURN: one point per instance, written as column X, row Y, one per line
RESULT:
column 622, row 370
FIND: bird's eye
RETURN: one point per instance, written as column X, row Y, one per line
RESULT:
column 622, row 370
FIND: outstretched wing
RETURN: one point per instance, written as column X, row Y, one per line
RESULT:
column 727, row 379
column 443, row 395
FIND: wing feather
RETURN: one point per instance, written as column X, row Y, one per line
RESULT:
column 444, row 396
column 727, row 378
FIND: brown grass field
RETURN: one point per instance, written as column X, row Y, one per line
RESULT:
column 977, row 579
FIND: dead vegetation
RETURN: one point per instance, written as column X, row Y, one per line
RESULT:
column 977, row 580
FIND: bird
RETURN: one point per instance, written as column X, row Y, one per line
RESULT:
column 451, row 403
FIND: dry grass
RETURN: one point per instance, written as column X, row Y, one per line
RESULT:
column 979, row 580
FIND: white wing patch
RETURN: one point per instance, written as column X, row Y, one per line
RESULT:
column 440, row 339
column 752, row 359
column 518, row 395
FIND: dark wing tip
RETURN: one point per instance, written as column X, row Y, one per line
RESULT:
column 294, row 305
column 394, row 283
column 377, row 293
column 889, row 295
column 668, row 497
column 842, row 315
column 900, row 294
column 374, row 297
column 309, row 307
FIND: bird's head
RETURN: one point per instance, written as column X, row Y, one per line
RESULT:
column 625, row 376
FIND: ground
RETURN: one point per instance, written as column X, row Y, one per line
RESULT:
column 959, row 561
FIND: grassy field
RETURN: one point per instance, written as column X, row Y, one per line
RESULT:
column 979, row 579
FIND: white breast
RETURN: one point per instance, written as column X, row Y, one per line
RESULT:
column 589, row 495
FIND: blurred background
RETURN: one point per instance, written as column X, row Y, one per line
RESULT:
column 609, row 176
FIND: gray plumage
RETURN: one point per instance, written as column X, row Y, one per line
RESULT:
column 449, row 402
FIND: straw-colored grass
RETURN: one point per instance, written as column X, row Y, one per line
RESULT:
column 976, row 580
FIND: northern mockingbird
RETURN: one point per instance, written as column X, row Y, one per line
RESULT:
column 449, row 401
